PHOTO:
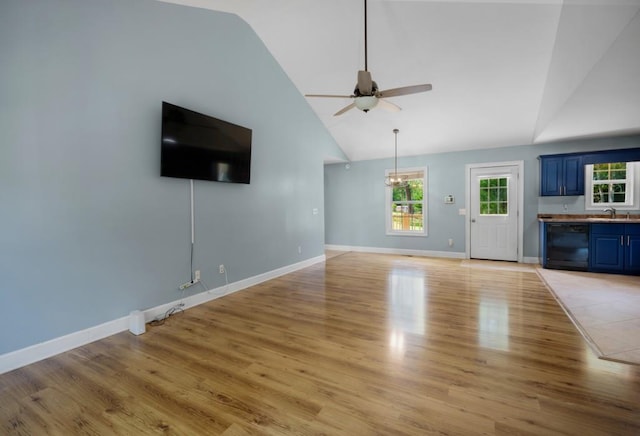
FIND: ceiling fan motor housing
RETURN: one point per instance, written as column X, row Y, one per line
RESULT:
column 374, row 90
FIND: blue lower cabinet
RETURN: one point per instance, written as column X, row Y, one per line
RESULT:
column 632, row 253
column 615, row 248
column 606, row 253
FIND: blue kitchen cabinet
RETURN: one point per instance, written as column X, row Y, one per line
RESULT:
column 606, row 252
column 561, row 175
column 632, row 251
column 615, row 248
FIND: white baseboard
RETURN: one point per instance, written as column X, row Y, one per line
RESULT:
column 34, row 353
column 399, row 251
column 43, row 350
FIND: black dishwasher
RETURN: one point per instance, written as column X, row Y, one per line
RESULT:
column 567, row 246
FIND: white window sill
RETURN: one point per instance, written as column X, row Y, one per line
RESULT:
column 423, row 234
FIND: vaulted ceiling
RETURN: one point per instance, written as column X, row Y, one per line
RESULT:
column 504, row 72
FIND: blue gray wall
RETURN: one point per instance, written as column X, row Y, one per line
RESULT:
column 355, row 197
column 88, row 229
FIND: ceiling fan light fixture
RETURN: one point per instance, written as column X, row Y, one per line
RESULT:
column 366, row 103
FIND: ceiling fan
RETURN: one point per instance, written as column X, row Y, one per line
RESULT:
column 366, row 94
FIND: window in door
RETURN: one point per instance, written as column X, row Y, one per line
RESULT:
column 494, row 195
column 406, row 205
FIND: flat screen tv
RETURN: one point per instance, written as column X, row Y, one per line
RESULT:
column 198, row 146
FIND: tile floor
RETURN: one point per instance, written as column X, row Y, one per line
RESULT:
column 604, row 307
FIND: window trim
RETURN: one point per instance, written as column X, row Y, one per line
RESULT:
column 633, row 170
column 388, row 200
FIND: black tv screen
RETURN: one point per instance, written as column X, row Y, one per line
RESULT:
column 198, row 146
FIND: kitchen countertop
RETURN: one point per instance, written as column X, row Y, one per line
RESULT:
column 621, row 218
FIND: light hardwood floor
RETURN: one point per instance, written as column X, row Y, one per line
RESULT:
column 362, row 344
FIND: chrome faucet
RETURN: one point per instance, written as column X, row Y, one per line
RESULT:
column 611, row 210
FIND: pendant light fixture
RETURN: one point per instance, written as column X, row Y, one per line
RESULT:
column 394, row 180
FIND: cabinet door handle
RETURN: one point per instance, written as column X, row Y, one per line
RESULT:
column 622, row 240
column 628, row 241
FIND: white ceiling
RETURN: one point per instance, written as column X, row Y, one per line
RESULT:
column 504, row 72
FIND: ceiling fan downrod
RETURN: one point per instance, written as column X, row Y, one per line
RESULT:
column 365, row 36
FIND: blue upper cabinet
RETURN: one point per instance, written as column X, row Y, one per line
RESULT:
column 573, row 175
column 561, row 175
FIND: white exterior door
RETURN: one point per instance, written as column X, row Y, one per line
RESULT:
column 494, row 212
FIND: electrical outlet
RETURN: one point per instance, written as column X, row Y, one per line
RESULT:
column 196, row 275
column 221, row 269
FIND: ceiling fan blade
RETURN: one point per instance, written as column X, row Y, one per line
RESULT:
column 384, row 104
column 365, row 84
column 405, row 90
column 344, row 109
column 328, row 95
